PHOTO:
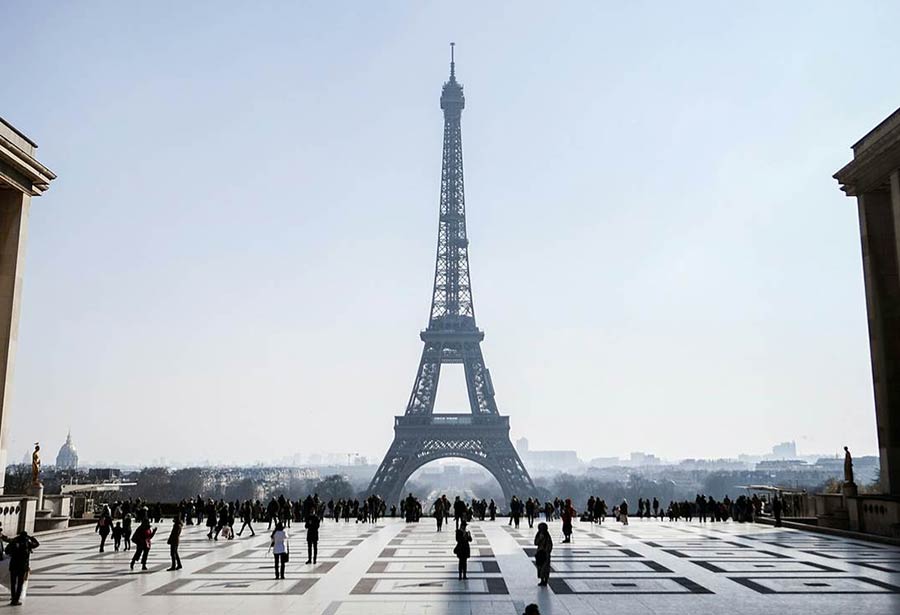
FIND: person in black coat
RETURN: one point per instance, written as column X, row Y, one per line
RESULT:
column 462, row 549
column 312, row 538
column 19, row 550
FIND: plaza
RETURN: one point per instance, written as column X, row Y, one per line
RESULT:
column 647, row 567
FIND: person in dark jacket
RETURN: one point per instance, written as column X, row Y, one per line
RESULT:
column 104, row 525
column 174, row 540
column 544, row 543
column 117, row 535
column 312, row 538
column 462, row 549
column 141, row 538
column 19, row 550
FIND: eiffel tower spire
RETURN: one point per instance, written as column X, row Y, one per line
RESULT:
column 482, row 434
column 451, row 300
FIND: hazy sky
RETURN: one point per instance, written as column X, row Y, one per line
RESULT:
column 237, row 257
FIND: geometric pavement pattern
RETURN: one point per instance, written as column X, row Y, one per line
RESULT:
column 647, row 567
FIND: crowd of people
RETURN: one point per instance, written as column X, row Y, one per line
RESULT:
column 130, row 523
column 703, row 508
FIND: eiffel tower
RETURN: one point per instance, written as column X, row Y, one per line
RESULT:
column 482, row 436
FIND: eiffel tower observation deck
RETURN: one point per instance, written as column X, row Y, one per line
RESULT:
column 452, row 336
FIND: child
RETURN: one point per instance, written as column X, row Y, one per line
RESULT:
column 126, row 532
column 117, row 535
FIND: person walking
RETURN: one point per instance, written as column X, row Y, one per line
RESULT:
column 532, row 609
column 776, row 510
column 19, row 550
column 126, row 531
column 280, row 548
column 544, row 543
column 623, row 512
column 312, row 538
column 141, row 538
column 247, row 519
column 104, row 525
column 173, row 541
column 462, row 550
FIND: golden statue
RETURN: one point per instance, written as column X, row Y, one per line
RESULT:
column 36, row 465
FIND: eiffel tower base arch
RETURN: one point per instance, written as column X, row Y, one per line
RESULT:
column 419, row 440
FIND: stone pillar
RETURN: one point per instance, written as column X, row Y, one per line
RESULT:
column 879, row 223
column 21, row 177
column 13, row 221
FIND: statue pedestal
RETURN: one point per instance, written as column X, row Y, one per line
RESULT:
column 36, row 490
column 849, row 489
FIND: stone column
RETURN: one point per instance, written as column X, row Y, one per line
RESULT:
column 879, row 223
column 13, row 222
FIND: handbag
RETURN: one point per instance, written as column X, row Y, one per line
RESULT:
column 287, row 552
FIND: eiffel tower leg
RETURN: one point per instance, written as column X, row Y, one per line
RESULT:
column 391, row 474
column 508, row 469
column 478, row 380
column 421, row 400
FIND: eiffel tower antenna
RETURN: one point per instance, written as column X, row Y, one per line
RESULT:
column 452, row 62
column 482, row 434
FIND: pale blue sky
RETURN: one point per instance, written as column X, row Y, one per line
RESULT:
column 237, row 256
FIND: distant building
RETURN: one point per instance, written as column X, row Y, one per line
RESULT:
column 99, row 475
column 783, row 465
column 785, row 450
column 67, row 458
column 604, row 462
column 522, row 446
column 644, row 459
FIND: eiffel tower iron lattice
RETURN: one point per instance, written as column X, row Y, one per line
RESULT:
column 481, row 436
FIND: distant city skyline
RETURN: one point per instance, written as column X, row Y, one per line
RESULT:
column 331, row 459
column 236, row 258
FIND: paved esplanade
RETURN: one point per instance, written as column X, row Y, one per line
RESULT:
column 392, row 568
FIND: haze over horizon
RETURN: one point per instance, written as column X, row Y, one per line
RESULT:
column 237, row 257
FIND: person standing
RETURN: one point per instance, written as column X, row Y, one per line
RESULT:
column 462, row 550
column 142, row 537
column 544, row 543
column 19, row 550
column 492, row 508
column 439, row 513
column 529, row 512
column 459, row 511
column 515, row 511
column 126, row 531
column 566, row 515
column 623, row 512
column 280, row 548
column 312, row 538
column 117, row 535
column 174, row 540
column 776, row 510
